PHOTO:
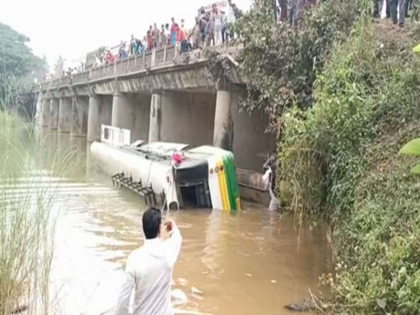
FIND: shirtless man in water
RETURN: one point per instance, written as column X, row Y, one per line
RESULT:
column 149, row 268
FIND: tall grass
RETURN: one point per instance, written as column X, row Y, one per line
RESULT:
column 26, row 219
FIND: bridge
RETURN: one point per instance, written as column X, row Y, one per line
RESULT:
column 164, row 96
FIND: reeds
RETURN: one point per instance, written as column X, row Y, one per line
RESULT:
column 27, row 219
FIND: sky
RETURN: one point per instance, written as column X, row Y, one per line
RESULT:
column 74, row 28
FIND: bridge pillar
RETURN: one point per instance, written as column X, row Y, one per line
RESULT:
column 46, row 112
column 65, row 115
column 223, row 122
column 155, row 118
column 80, row 111
column 54, row 112
column 100, row 113
column 132, row 112
column 182, row 117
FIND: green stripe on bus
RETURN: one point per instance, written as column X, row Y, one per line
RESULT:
column 228, row 165
column 234, row 182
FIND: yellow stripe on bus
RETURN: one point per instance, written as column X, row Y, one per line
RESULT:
column 219, row 176
column 222, row 184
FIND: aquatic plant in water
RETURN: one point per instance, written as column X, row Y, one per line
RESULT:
column 26, row 220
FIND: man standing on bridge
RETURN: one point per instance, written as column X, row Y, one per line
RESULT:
column 398, row 11
column 149, row 268
column 156, row 36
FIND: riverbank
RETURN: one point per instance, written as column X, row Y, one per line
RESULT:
column 341, row 158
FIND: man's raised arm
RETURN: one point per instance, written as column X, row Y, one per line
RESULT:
column 173, row 243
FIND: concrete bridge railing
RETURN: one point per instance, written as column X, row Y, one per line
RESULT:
column 157, row 57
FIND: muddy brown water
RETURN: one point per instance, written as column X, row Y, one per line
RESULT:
column 253, row 262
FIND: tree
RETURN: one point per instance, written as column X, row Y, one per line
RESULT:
column 16, row 58
column 18, row 69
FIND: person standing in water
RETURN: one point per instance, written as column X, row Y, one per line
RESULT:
column 149, row 268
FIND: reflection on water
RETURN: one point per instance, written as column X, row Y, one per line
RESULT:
column 249, row 263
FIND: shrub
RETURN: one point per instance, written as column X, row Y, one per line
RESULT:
column 281, row 62
column 341, row 158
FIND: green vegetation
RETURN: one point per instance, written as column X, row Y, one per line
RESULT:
column 412, row 148
column 342, row 122
column 281, row 62
column 342, row 160
column 26, row 197
column 26, row 218
column 25, row 224
column 18, row 69
column 16, row 57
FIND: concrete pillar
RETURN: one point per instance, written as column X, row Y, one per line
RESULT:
column 100, row 113
column 54, row 110
column 132, row 112
column 155, row 126
column 46, row 112
column 223, row 122
column 65, row 117
column 182, row 117
column 251, row 136
column 80, row 112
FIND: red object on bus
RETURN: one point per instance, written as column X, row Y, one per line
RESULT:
column 177, row 158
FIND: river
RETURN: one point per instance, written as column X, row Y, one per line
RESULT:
column 253, row 262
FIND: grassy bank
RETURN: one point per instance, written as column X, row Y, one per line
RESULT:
column 341, row 160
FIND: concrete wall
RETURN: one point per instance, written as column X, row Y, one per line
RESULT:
column 54, row 109
column 141, row 119
column 188, row 117
column 65, row 116
column 250, row 140
column 155, row 121
column 107, row 103
column 45, row 112
column 132, row 112
column 223, row 121
column 79, row 116
column 173, row 77
column 100, row 113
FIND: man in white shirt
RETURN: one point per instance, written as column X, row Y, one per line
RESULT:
column 216, row 19
column 149, row 268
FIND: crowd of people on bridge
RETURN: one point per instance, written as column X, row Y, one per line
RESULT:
column 291, row 10
column 215, row 25
column 212, row 27
column 397, row 9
